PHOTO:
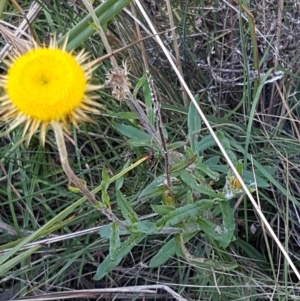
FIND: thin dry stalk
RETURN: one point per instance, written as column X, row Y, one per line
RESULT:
column 278, row 34
column 95, row 293
column 176, row 49
column 288, row 110
column 14, row 39
column 139, row 34
column 278, row 44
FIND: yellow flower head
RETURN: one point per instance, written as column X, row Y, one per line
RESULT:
column 44, row 85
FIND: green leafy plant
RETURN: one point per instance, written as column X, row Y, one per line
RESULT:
column 194, row 205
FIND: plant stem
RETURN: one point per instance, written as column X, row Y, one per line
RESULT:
column 101, row 32
column 74, row 180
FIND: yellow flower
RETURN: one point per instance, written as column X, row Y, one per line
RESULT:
column 235, row 183
column 45, row 85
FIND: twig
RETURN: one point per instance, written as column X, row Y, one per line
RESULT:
column 107, row 56
column 92, row 293
column 176, row 49
column 139, row 35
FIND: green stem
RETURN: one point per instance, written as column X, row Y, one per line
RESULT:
column 2, row 6
column 82, row 31
column 101, row 32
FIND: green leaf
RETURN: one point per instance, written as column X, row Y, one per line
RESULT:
column 228, row 223
column 207, row 171
column 202, row 188
column 216, row 232
column 156, row 187
column 148, row 102
column 105, row 178
column 131, row 132
column 104, row 231
column 108, row 265
column 226, row 144
column 114, row 241
column 239, row 167
column 126, row 209
column 208, row 142
column 162, row 209
column 259, row 177
column 175, row 145
column 75, row 189
column 168, row 251
column 212, row 161
column 104, row 185
column 156, row 191
column 10, row 264
column 143, row 143
column 189, row 197
column 183, row 164
column 188, row 179
column 207, row 190
column 164, row 254
column 121, row 115
column 179, row 214
column 82, row 31
column 190, row 153
column 205, row 143
column 120, row 181
column 252, row 253
column 145, row 227
column 139, row 85
column 194, row 126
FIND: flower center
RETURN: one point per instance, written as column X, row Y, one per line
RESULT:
column 46, row 84
column 43, row 80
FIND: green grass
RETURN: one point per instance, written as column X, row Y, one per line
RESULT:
column 53, row 241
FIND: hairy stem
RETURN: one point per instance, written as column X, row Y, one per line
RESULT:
column 74, row 180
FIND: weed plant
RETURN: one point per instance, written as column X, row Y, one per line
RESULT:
column 188, row 231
